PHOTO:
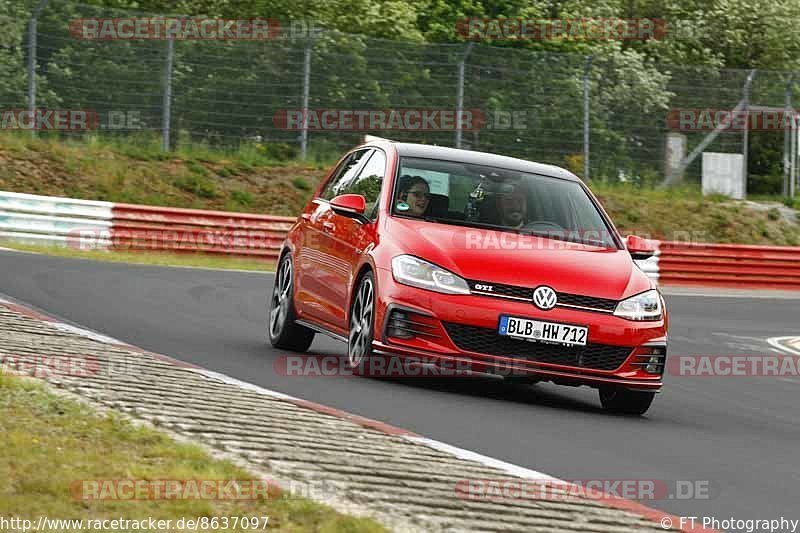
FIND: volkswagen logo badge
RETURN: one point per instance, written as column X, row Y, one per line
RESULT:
column 544, row 297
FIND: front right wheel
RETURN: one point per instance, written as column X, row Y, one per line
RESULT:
column 624, row 401
column 362, row 322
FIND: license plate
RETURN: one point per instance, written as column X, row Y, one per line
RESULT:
column 536, row 330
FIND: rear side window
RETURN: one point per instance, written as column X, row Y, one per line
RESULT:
column 369, row 181
column 347, row 169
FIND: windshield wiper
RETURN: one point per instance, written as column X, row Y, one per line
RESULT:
column 557, row 237
column 470, row 224
column 519, row 231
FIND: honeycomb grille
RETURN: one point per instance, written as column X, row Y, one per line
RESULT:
column 602, row 304
column 487, row 341
column 500, row 289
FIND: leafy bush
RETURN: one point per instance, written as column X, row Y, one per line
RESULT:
column 770, row 184
column 301, row 183
column 242, row 197
column 279, row 151
column 198, row 185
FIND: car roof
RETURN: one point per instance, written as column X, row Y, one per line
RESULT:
column 427, row 151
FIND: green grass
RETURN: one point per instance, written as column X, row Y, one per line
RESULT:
column 683, row 213
column 301, row 183
column 48, row 443
column 253, row 177
column 198, row 260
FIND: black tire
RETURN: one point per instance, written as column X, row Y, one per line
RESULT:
column 362, row 324
column 282, row 330
column 624, row 401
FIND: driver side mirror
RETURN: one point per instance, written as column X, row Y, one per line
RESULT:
column 351, row 206
column 640, row 248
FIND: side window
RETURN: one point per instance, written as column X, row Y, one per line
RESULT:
column 369, row 180
column 343, row 175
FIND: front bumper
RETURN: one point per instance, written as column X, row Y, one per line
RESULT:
column 438, row 315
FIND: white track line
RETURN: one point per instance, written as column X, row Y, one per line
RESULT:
column 491, row 462
column 83, row 332
column 778, row 343
column 767, row 295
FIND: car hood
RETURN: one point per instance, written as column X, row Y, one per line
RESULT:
column 524, row 260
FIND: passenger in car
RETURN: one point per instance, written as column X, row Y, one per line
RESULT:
column 414, row 196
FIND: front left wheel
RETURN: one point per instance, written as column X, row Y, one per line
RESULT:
column 283, row 331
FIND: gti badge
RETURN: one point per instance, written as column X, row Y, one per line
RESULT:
column 544, row 297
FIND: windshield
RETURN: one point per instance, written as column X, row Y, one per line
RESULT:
column 494, row 198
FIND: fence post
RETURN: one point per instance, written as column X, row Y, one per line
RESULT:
column 787, row 138
column 306, row 92
column 746, row 132
column 166, row 101
column 793, row 159
column 460, row 93
column 586, row 115
column 32, row 59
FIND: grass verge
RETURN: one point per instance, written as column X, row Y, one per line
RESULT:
column 132, row 170
column 683, row 213
column 47, row 443
column 258, row 178
column 197, row 260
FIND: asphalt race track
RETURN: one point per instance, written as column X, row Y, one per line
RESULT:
column 739, row 434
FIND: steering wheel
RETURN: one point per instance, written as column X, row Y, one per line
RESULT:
column 543, row 225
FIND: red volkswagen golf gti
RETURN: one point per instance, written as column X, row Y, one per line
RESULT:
column 472, row 260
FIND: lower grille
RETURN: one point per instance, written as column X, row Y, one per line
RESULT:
column 487, row 341
column 407, row 325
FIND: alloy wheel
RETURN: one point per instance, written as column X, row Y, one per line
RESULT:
column 281, row 298
column 361, row 324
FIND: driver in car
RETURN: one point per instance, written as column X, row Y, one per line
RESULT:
column 512, row 205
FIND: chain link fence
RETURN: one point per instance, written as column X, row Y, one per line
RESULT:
column 610, row 116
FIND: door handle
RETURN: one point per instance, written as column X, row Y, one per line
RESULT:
column 328, row 226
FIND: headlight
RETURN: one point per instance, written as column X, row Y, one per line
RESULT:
column 644, row 306
column 413, row 271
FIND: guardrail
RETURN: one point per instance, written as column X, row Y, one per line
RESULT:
column 729, row 265
column 138, row 227
column 83, row 223
column 89, row 224
column 51, row 220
